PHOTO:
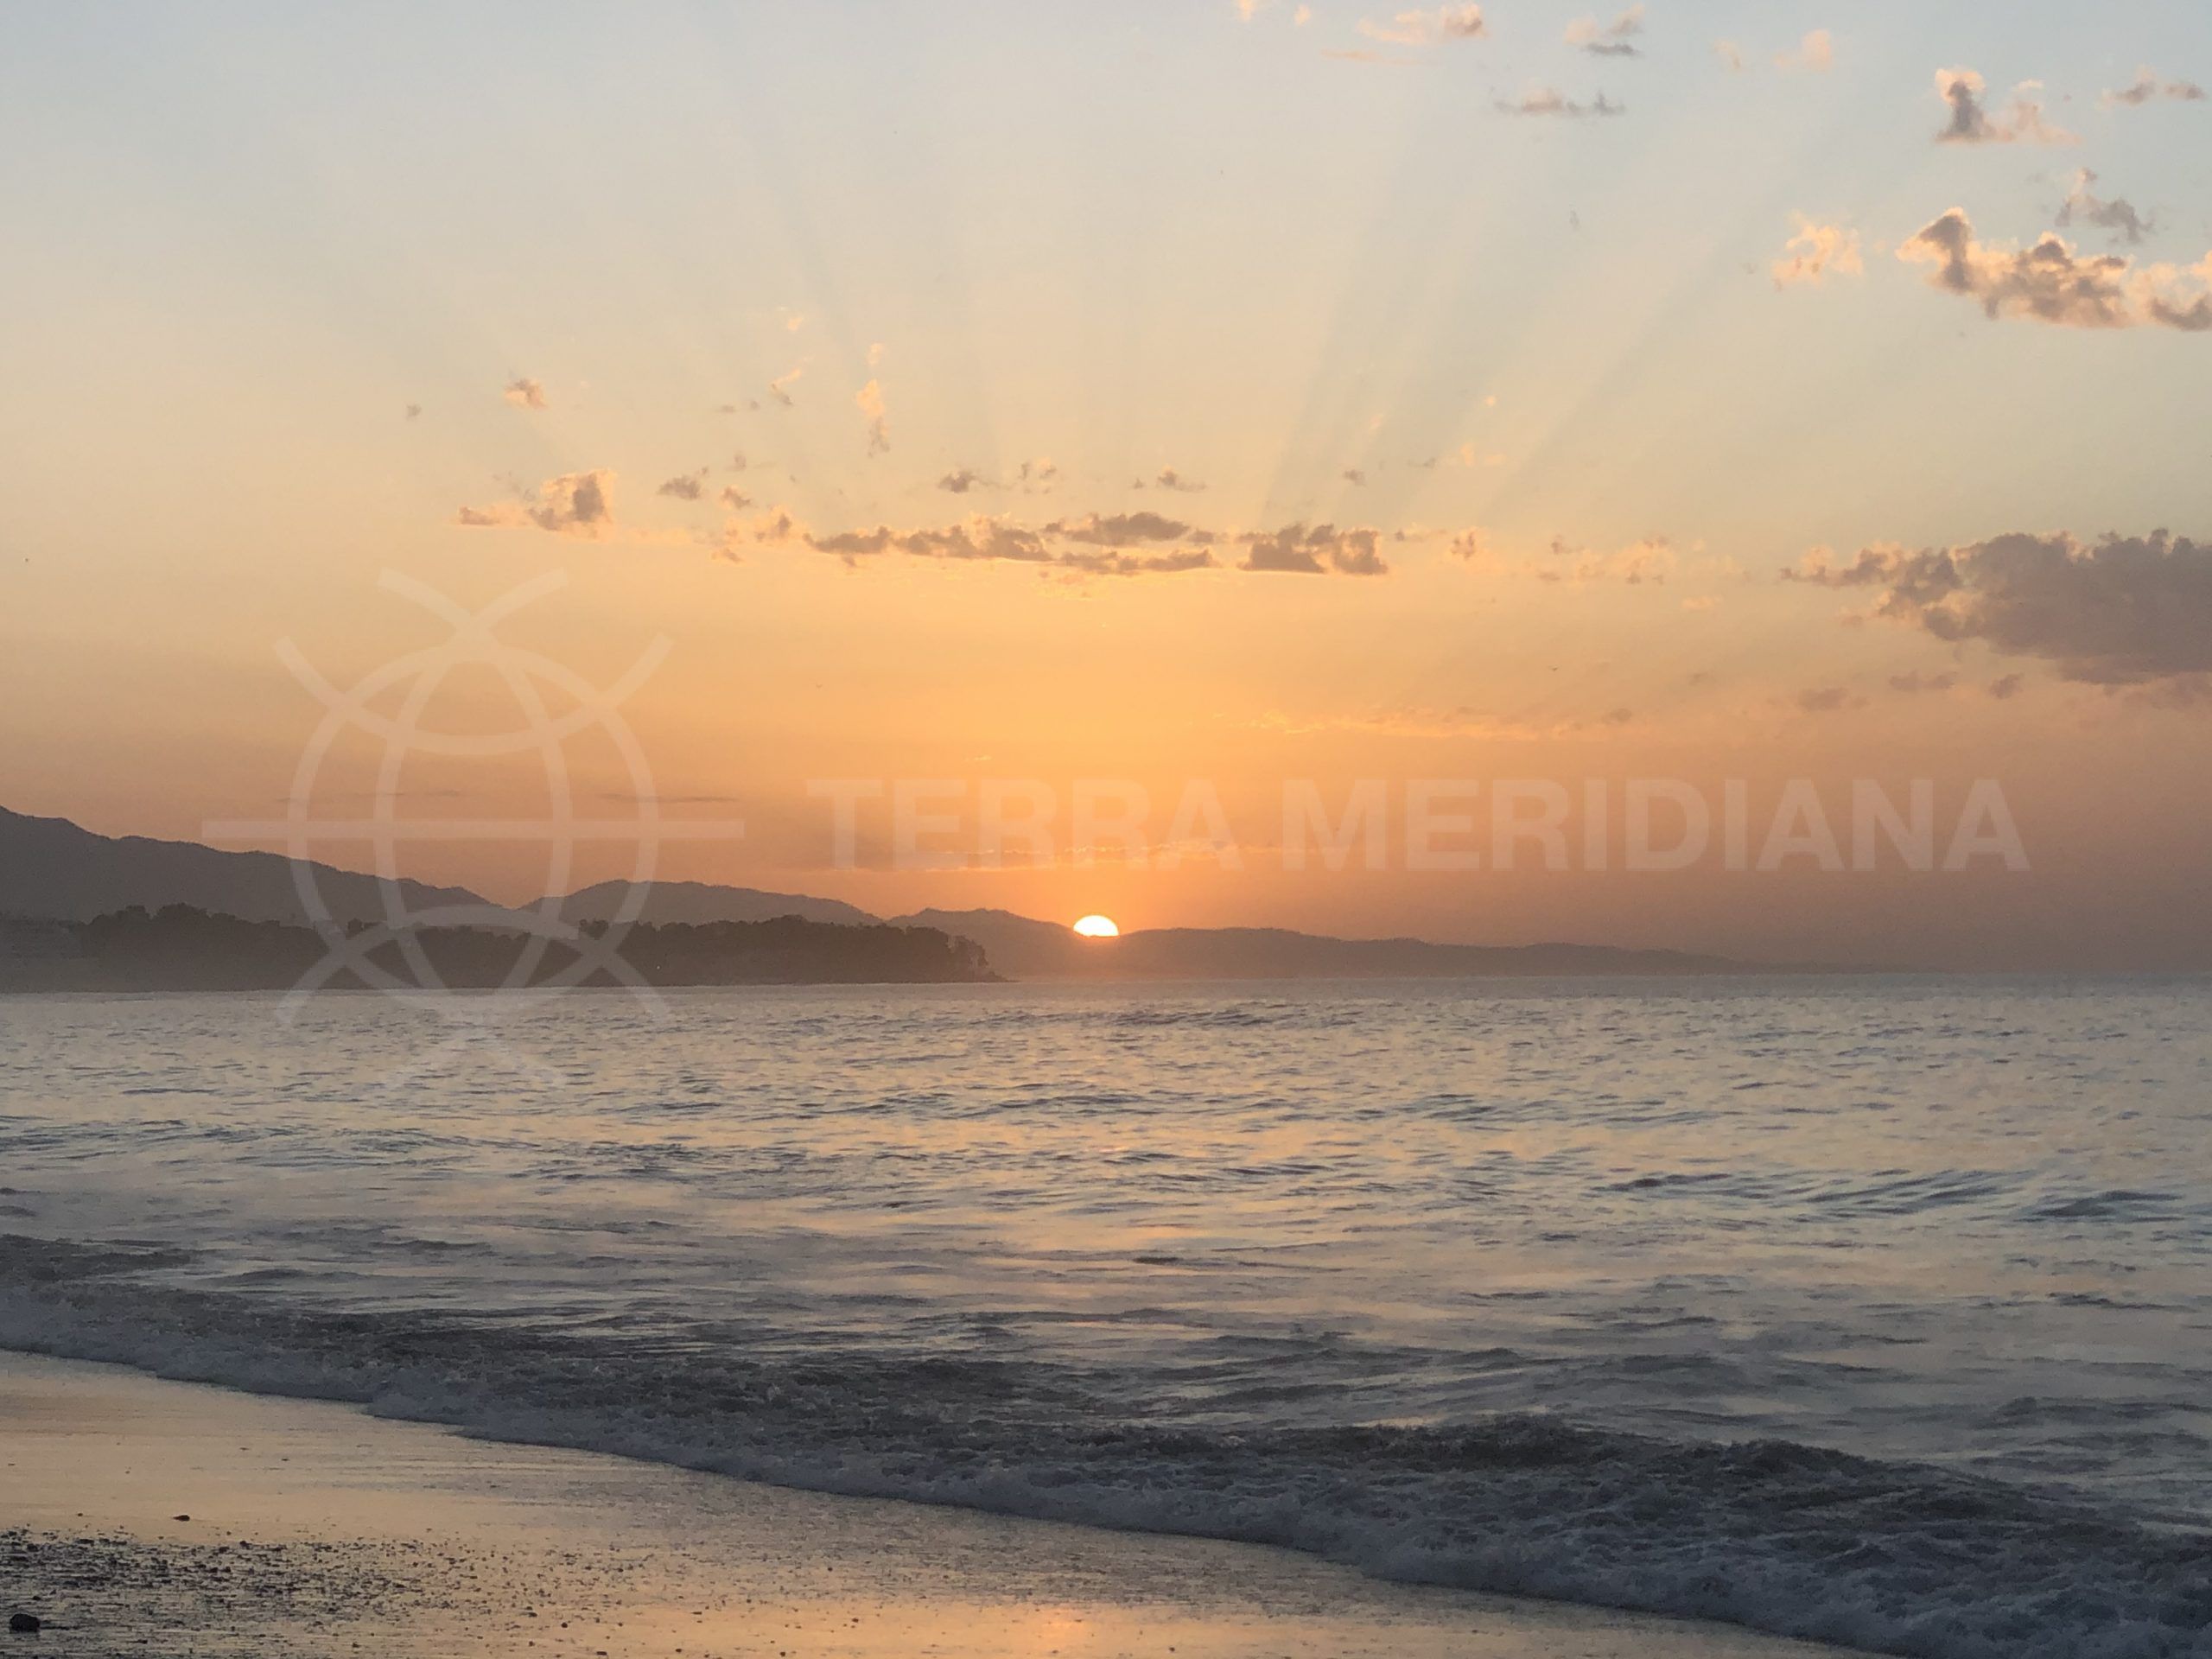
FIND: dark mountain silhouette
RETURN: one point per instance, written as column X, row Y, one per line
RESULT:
column 182, row 948
column 51, row 868
column 1022, row 948
column 697, row 902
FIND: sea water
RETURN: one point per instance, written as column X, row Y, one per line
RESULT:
column 1872, row 1310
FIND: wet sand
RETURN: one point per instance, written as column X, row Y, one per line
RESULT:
column 146, row 1517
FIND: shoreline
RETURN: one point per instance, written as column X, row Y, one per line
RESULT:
column 147, row 1513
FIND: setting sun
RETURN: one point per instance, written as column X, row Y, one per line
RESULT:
column 1098, row 927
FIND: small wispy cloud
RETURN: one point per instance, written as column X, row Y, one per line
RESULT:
column 1427, row 27
column 1549, row 101
column 2085, row 206
column 574, row 504
column 1815, row 52
column 2147, row 88
column 1615, row 40
column 869, row 401
column 1816, row 251
column 525, row 393
column 684, row 487
column 780, row 387
column 2021, row 121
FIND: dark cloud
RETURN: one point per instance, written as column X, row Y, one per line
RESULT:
column 2049, row 282
column 2021, row 121
column 1169, row 479
column 962, row 479
column 414, row 411
column 1547, row 101
column 2122, row 611
column 2147, row 87
column 1915, row 682
column 1124, row 529
column 1115, row 544
column 574, row 504
column 1828, row 700
column 1613, row 40
column 2006, row 687
column 1311, row 551
column 2083, row 205
column 684, row 487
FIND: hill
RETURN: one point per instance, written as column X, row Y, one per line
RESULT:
column 699, row 902
column 1023, row 948
column 182, row 948
column 51, row 869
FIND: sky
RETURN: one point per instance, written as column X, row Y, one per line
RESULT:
column 1234, row 401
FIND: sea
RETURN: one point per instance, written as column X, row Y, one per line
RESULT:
column 1876, row 1310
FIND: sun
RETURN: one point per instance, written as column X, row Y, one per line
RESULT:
column 1098, row 927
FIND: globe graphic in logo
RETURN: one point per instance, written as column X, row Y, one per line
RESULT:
column 393, row 710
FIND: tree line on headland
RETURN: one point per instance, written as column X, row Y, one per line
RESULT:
column 181, row 948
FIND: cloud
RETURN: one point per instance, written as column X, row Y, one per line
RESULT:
column 2121, row 611
column 526, row 393
column 1123, row 545
column 574, row 504
column 1613, row 40
column 684, row 487
column 735, row 499
column 1916, row 682
column 1828, row 700
column 2117, row 215
column 1120, row 529
column 2049, row 282
column 1731, row 56
column 1651, row 560
column 2006, row 687
column 1816, row 51
column 1169, row 478
column 1814, row 251
column 414, row 411
column 961, row 479
column 1428, row 28
column 1091, row 562
column 2021, row 121
column 875, row 354
column 869, row 401
column 2147, row 87
column 1549, row 101
column 1301, row 550
column 1355, row 477
column 1041, row 473
column 780, row 387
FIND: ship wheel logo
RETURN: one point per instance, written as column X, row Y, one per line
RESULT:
column 392, row 707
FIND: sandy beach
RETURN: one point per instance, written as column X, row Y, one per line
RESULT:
column 148, row 1516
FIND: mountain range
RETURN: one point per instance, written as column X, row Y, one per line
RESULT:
column 53, row 870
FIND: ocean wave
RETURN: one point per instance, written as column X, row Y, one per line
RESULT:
column 1888, row 1557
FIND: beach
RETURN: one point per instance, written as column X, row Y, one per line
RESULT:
column 151, row 1516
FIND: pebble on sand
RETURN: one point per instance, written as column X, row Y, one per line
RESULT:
column 22, row 1623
